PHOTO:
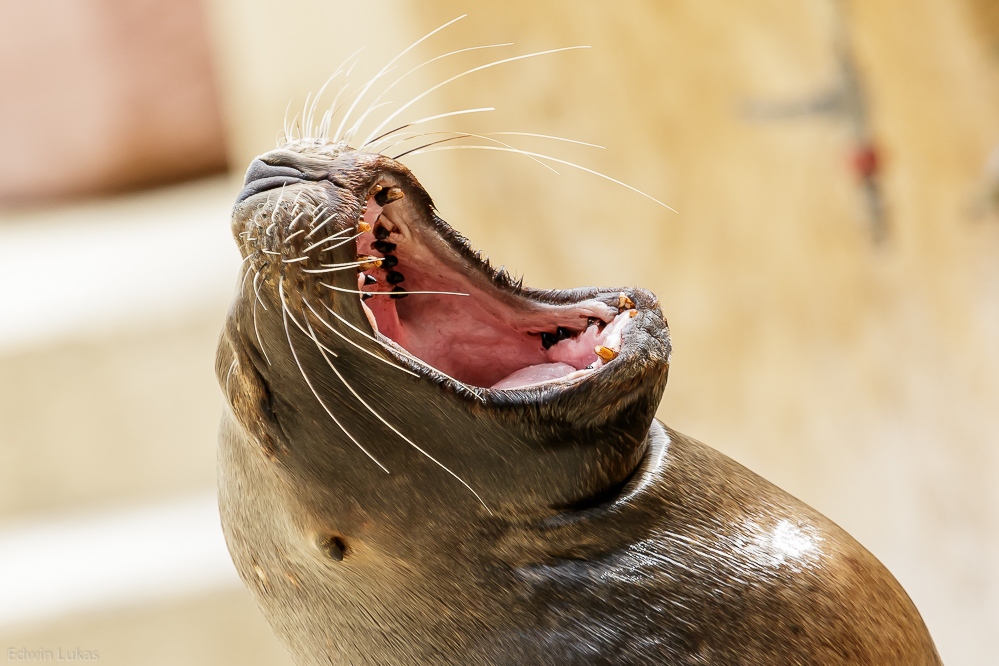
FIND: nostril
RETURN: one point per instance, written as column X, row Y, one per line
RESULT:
column 259, row 170
column 262, row 176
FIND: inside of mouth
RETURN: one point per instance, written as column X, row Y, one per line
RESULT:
column 432, row 302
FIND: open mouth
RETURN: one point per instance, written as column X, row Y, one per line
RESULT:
column 421, row 286
column 464, row 319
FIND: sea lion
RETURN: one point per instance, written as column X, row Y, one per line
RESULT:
column 425, row 462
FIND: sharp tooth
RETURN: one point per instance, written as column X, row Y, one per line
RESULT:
column 624, row 303
column 606, row 353
column 388, row 196
column 365, row 297
column 370, row 280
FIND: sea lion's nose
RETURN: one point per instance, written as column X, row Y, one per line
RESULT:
column 261, row 176
column 261, row 170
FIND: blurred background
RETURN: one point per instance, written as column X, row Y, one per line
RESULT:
column 831, row 277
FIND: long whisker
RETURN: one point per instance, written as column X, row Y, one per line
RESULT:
column 390, row 426
column 305, row 111
column 276, row 207
column 324, row 124
column 287, row 131
column 478, row 136
column 409, row 136
column 256, row 289
column 256, row 330
column 284, row 316
column 333, row 268
column 246, row 274
column 384, row 70
column 386, row 293
column 335, row 104
column 306, row 333
column 348, row 135
column 380, row 139
column 227, row 376
column 329, row 238
column 458, row 76
column 320, row 225
column 322, row 89
column 356, row 125
column 366, row 351
column 547, row 136
column 553, row 159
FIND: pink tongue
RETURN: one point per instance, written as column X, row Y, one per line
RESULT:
column 533, row 374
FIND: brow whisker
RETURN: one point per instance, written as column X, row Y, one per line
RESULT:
column 553, row 159
column 478, row 136
column 404, row 76
column 458, row 76
column 379, row 139
column 385, row 70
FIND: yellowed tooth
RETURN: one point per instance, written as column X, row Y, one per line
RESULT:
column 624, row 303
column 373, row 191
column 369, row 262
column 632, row 313
column 363, row 226
column 605, row 353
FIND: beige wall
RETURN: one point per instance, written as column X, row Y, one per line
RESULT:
column 862, row 378
column 103, row 96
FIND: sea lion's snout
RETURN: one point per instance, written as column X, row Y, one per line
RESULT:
column 352, row 237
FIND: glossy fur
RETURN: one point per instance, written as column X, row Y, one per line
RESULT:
column 559, row 524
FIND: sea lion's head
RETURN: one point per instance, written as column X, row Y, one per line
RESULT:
column 389, row 381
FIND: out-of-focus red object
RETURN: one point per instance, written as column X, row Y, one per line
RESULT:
column 104, row 95
column 865, row 161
